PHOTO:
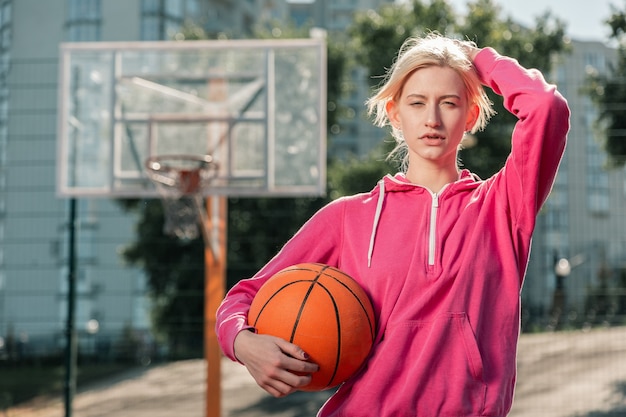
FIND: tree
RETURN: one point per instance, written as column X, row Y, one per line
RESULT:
column 608, row 91
column 174, row 269
column 377, row 36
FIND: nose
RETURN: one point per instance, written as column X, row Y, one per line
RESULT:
column 432, row 117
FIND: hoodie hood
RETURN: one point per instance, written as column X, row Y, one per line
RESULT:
column 399, row 183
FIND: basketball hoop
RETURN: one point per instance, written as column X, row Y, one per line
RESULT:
column 179, row 180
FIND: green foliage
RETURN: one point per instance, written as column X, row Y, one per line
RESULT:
column 352, row 176
column 259, row 227
column 175, row 271
column 192, row 32
column 608, row 91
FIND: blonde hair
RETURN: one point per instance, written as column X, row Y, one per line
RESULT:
column 431, row 50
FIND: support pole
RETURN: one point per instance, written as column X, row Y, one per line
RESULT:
column 71, row 343
column 215, row 288
column 70, row 327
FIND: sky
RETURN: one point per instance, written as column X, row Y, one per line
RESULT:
column 584, row 18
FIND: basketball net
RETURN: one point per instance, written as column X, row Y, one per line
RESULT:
column 179, row 180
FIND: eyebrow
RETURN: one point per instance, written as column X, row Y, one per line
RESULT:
column 445, row 96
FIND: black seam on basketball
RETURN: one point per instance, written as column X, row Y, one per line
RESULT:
column 338, row 320
column 275, row 294
column 358, row 299
column 304, row 300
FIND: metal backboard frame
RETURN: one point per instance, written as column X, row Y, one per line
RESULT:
column 258, row 107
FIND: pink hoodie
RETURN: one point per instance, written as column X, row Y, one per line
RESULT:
column 444, row 271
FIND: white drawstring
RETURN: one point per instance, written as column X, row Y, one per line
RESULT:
column 379, row 209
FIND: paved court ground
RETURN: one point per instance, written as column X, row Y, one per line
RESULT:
column 570, row 374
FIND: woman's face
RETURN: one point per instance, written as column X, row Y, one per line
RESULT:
column 433, row 113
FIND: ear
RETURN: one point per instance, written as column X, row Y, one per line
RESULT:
column 472, row 116
column 392, row 113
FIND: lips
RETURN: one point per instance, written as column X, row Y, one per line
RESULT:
column 432, row 138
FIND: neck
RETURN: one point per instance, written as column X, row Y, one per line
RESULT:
column 433, row 178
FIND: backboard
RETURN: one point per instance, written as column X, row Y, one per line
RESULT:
column 257, row 107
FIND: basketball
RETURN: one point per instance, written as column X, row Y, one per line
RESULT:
column 322, row 310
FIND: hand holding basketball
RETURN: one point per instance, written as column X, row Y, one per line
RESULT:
column 277, row 366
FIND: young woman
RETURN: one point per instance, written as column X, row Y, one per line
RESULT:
column 441, row 253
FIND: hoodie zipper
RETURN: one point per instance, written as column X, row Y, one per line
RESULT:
column 433, row 229
column 432, row 233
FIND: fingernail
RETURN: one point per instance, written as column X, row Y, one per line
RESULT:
column 305, row 355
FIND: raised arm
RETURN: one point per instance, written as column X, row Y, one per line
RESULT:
column 539, row 137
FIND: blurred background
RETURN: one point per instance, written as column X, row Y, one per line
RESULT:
column 140, row 293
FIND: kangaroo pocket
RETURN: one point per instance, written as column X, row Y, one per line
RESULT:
column 425, row 368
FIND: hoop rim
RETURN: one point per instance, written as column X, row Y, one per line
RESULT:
column 155, row 162
column 176, row 181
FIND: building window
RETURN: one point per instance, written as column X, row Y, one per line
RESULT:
column 597, row 179
column 83, row 33
column 151, row 6
column 192, row 8
column 150, row 28
column 6, row 38
column 174, row 9
column 596, row 60
column 161, row 19
column 84, row 19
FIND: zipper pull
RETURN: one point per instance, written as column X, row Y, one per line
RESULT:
column 433, row 230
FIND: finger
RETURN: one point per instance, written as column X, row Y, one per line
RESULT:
column 300, row 366
column 297, row 359
column 292, row 382
column 278, row 389
column 292, row 350
column 282, row 383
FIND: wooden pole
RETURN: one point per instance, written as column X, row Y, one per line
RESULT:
column 215, row 287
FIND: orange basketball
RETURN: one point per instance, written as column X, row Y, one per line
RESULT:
column 322, row 310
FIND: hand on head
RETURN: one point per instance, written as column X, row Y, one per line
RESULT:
column 469, row 47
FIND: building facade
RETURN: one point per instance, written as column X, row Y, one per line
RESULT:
column 578, row 262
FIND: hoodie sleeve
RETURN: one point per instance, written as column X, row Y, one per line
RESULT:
column 318, row 240
column 539, row 137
